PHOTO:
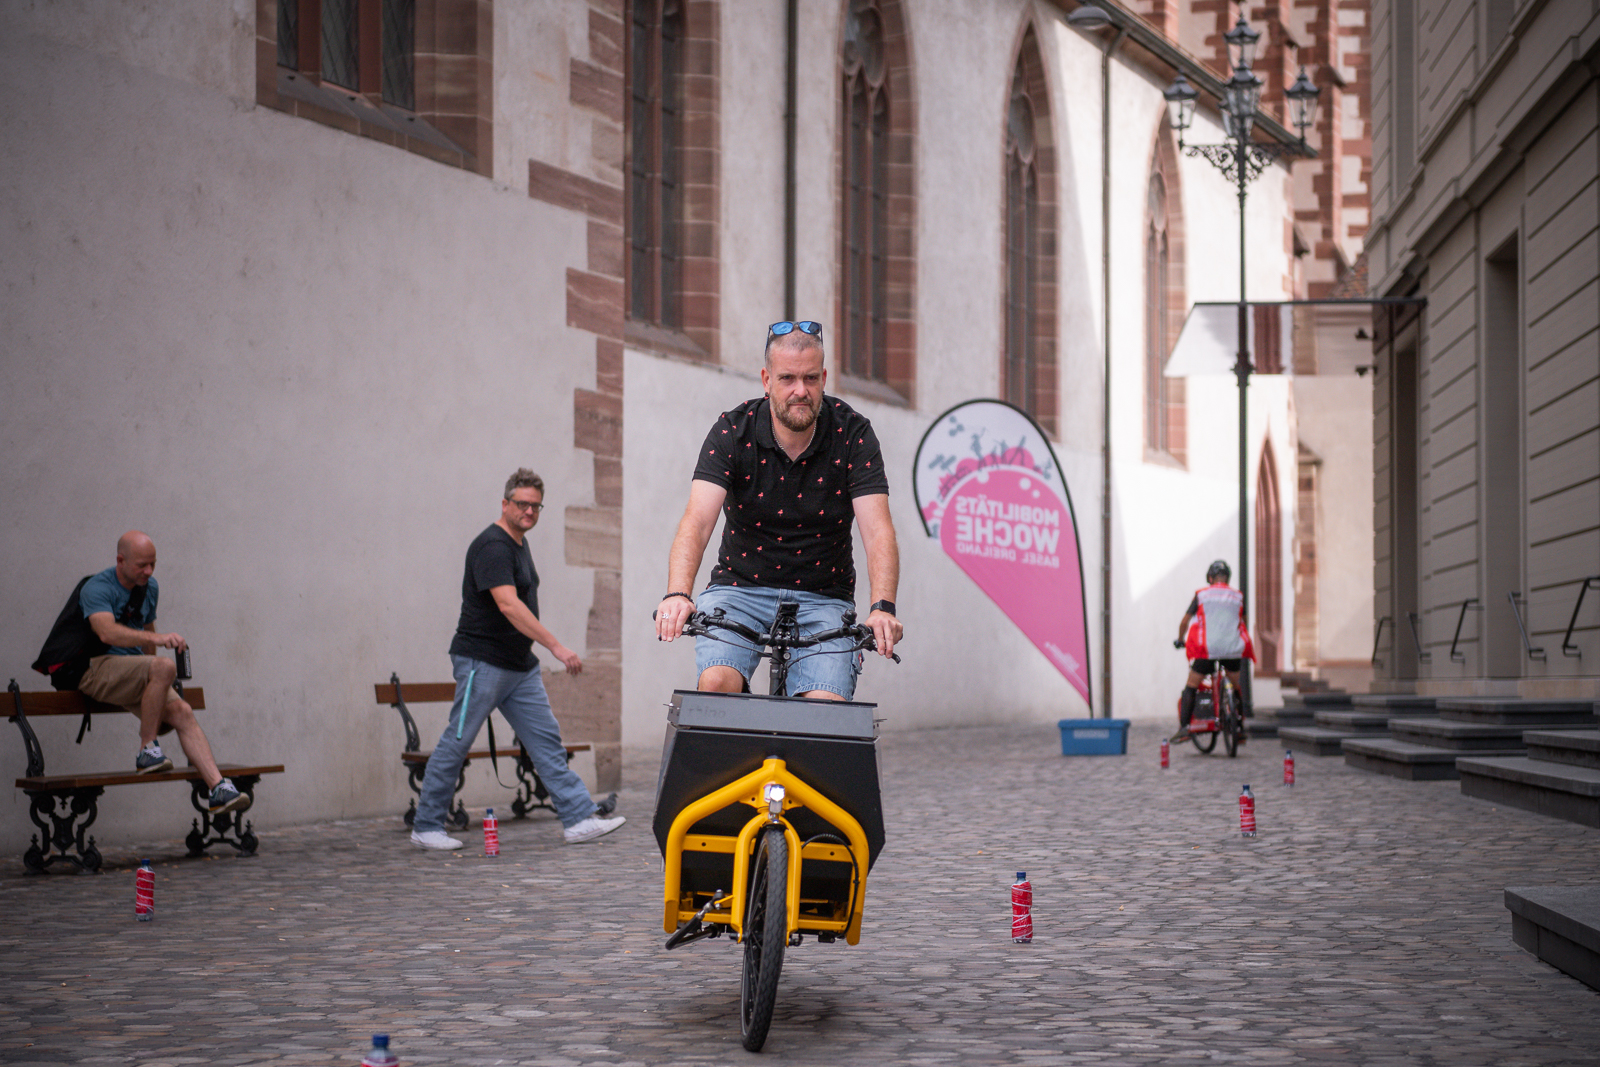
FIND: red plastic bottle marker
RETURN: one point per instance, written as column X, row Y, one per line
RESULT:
column 491, row 833
column 1022, row 909
column 144, row 893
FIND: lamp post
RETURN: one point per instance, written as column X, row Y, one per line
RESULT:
column 1242, row 160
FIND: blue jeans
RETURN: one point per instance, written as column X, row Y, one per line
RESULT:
column 480, row 688
column 832, row 666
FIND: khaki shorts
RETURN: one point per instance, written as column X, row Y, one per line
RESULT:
column 120, row 680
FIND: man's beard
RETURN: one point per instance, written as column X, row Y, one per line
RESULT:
column 798, row 423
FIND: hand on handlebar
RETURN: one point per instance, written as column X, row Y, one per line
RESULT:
column 886, row 630
column 671, row 615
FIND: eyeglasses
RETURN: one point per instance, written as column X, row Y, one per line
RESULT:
column 527, row 505
column 778, row 329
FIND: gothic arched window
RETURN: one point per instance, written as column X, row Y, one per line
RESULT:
column 877, row 267
column 1028, row 369
column 1165, row 304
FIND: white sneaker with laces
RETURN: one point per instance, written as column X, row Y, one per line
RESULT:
column 591, row 828
column 437, row 840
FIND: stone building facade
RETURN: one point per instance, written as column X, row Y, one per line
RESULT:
column 293, row 285
column 1486, row 208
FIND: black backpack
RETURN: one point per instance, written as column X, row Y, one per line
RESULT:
column 72, row 641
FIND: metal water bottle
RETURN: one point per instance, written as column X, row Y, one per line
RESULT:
column 144, row 893
column 491, row 833
column 1247, row 812
column 1288, row 767
column 1166, row 753
column 379, row 1055
column 1022, row 909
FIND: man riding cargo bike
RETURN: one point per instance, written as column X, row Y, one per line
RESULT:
column 790, row 473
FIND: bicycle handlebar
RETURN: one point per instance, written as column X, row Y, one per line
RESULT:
column 700, row 623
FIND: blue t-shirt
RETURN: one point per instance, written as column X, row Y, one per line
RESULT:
column 104, row 593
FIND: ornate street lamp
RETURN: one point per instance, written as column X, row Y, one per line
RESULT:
column 1242, row 160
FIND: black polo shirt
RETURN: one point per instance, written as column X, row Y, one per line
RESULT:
column 787, row 524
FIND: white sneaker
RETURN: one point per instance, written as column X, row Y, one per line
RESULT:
column 591, row 828
column 434, row 839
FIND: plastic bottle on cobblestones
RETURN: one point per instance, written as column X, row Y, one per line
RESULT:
column 491, row 833
column 144, row 893
column 1166, row 753
column 1022, row 909
column 379, row 1055
column 1288, row 767
column 1247, row 812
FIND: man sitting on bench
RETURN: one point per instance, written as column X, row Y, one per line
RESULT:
column 108, row 638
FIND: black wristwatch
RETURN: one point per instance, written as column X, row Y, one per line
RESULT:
column 881, row 605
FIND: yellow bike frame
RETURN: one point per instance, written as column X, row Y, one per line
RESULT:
column 750, row 790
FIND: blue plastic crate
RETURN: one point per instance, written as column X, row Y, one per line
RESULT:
column 1094, row 737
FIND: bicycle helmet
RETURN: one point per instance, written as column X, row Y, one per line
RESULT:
column 1219, row 567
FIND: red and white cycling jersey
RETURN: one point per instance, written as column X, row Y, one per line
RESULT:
column 1218, row 630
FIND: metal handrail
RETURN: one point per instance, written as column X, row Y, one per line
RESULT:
column 1377, row 639
column 1566, row 642
column 1461, row 657
column 1533, row 653
column 1422, row 655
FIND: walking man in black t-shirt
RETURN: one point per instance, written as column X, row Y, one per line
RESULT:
column 495, row 667
column 788, row 471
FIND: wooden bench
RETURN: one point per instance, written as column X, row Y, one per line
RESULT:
column 70, row 802
column 531, row 793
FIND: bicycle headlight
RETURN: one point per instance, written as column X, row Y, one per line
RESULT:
column 774, row 794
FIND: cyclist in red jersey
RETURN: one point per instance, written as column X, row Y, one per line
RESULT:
column 1214, row 636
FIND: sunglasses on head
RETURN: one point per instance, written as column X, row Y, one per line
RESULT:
column 778, row 329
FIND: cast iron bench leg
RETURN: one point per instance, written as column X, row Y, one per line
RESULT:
column 227, row 827
column 67, row 831
column 456, row 816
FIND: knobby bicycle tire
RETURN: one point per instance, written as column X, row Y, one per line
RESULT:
column 766, row 932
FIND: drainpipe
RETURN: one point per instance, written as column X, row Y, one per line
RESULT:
column 1092, row 18
column 1106, row 589
column 790, row 152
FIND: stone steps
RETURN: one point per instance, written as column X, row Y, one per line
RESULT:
column 1578, row 748
column 1395, row 703
column 1268, row 721
column 1561, row 926
column 1426, row 749
column 1554, row 789
column 1317, row 740
column 1559, row 776
column 1403, row 759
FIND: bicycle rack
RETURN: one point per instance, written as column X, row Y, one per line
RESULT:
column 1422, row 656
column 1461, row 657
column 1377, row 639
column 1567, row 647
column 1533, row 653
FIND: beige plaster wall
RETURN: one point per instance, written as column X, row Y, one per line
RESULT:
column 305, row 363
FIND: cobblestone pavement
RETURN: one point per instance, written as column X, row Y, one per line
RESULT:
column 1365, row 925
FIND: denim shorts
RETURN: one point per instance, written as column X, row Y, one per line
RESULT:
column 833, row 666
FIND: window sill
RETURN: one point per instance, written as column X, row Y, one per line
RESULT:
column 347, row 110
column 1163, row 459
column 868, row 389
column 663, row 341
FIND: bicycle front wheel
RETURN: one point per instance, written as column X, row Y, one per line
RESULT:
column 766, row 932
